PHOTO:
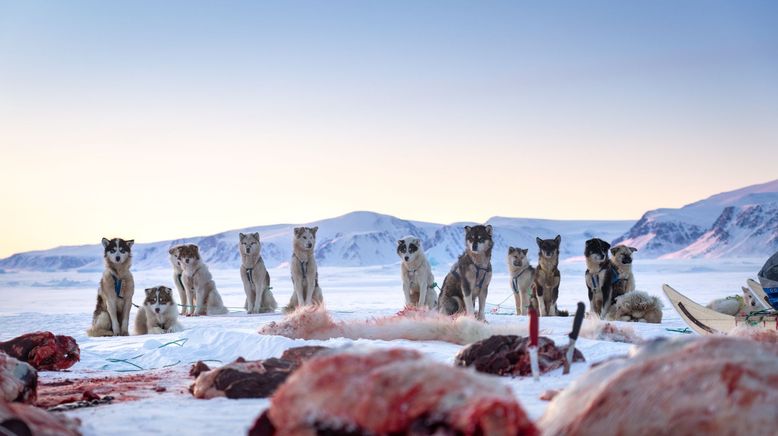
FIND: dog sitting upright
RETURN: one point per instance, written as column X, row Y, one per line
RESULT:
column 201, row 293
column 256, row 279
column 158, row 313
column 522, row 274
column 547, row 275
column 178, row 273
column 416, row 274
column 305, row 274
column 114, row 296
column 621, row 270
column 470, row 276
column 599, row 277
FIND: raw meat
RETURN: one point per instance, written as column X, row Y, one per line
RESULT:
column 248, row 379
column 394, row 391
column 43, row 350
column 23, row 419
column 18, row 380
column 508, row 355
column 709, row 385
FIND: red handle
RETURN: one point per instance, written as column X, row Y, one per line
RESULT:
column 533, row 327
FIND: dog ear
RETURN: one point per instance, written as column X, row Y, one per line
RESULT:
column 467, row 228
column 489, row 229
column 607, row 245
column 525, row 251
column 149, row 291
column 558, row 239
column 130, row 243
column 314, row 230
column 298, row 231
column 400, row 241
column 106, row 241
column 172, row 250
column 539, row 241
column 511, row 250
column 614, row 250
column 632, row 249
column 417, row 241
column 256, row 235
column 241, row 236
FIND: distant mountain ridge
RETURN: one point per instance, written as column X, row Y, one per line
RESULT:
column 740, row 223
column 354, row 239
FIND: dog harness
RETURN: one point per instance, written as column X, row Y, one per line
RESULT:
column 180, row 280
column 478, row 270
column 515, row 280
column 615, row 278
column 250, row 271
column 303, row 266
column 117, row 285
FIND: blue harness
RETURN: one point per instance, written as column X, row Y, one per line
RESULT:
column 615, row 278
column 117, row 286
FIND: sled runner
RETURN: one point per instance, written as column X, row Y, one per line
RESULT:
column 707, row 322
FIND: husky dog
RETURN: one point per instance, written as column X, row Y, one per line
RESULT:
column 636, row 306
column 547, row 275
column 522, row 275
column 114, row 296
column 178, row 272
column 621, row 270
column 202, row 296
column 599, row 277
column 735, row 304
column 158, row 313
column 256, row 279
column 305, row 274
column 418, row 281
column 470, row 276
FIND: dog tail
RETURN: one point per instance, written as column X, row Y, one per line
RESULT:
column 98, row 332
column 562, row 313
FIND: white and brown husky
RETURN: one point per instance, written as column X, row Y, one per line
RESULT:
column 114, row 295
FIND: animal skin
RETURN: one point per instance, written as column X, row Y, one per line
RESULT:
column 509, row 355
column 394, row 391
column 705, row 385
column 18, row 380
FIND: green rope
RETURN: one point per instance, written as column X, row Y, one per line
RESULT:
column 180, row 342
column 685, row 330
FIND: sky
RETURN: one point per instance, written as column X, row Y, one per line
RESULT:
column 157, row 120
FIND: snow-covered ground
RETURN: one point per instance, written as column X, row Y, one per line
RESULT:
column 62, row 302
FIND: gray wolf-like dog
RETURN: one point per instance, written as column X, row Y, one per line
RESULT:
column 470, row 276
column 522, row 275
column 305, row 274
column 158, row 313
column 416, row 274
column 114, row 295
column 547, row 275
column 256, row 279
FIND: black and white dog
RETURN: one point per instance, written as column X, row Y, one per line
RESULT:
column 599, row 277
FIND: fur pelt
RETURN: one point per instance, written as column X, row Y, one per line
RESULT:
column 314, row 322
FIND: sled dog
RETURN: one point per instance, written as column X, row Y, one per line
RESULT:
column 305, row 274
column 114, row 295
column 256, row 279
column 158, row 313
column 736, row 304
column 178, row 273
column 636, row 306
column 599, row 278
column 202, row 296
column 522, row 275
column 621, row 270
column 547, row 275
column 418, row 281
column 470, row 276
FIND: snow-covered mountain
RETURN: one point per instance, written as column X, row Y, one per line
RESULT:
column 354, row 239
column 719, row 226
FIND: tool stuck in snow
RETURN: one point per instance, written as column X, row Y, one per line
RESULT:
column 577, row 321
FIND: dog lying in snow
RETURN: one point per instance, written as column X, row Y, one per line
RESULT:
column 636, row 306
column 158, row 313
column 736, row 304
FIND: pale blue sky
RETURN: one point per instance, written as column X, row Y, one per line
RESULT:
column 158, row 120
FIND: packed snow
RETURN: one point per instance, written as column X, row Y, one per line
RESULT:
column 62, row 302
